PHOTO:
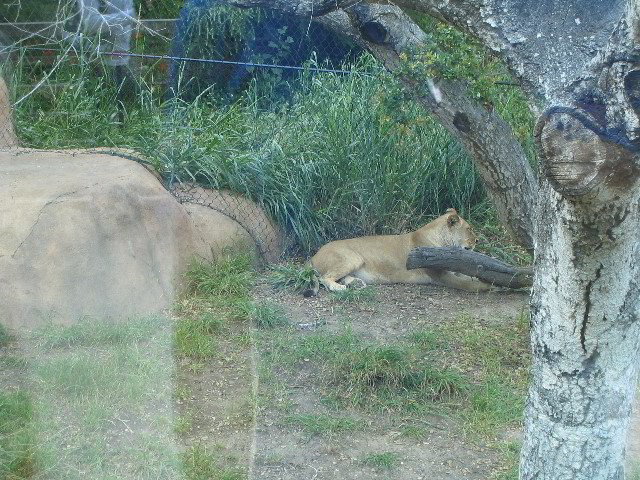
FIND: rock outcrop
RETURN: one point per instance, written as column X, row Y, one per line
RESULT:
column 86, row 234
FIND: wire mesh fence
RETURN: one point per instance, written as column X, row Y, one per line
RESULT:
column 270, row 242
column 276, row 122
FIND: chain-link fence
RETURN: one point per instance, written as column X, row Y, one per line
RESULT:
column 274, row 121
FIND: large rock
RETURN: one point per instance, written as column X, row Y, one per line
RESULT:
column 92, row 234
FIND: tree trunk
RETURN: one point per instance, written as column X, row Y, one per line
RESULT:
column 585, row 303
column 585, row 340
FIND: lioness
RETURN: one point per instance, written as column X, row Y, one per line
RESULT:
column 382, row 259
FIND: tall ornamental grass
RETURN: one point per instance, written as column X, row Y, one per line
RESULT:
column 343, row 156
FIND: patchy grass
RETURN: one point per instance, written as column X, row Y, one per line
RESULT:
column 200, row 464
column 354, row 295
column 89, row 331
column 386, row 374
column 100, row 401
column 218, row 296
column 369, row 376
column 81, row 375
column 17, row 436
column 269, row 315
column 213, row 336
column 465, row 369
column 193, row 336
column 429, row 340
column 316, row 424
column 511, row 454
column 183, row 424
column 382, row 461
column 14, row 362
column 495, row 360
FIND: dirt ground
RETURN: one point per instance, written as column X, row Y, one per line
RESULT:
column 397, row 309
column 274, row 450
column 218, row 396
column 242, row 423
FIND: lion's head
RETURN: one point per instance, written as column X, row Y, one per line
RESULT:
column 448, row 230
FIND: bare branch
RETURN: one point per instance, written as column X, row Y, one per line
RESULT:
column 470, row 263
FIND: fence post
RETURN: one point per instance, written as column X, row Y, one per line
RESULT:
column 8, row 137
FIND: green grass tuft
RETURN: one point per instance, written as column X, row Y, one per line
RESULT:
column 199, row 464
column 354, row 295
column 290, row 276
column 5, row 336
column 219, row 295
column 382, row 461
column 372, row 377
column 97, row 375
column 193, row 336
column 511, row 459
column 268, row 315
column 183, row 424
column 495, row 358
column 14, row 362
column 429, row 340
column 230, row 277
column 95, row 332
column 370, row 371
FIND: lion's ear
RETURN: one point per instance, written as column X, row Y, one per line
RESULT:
column 451, row 210
column 453, row 219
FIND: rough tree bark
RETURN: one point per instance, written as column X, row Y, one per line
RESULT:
column 579, row 62
column 474, row 264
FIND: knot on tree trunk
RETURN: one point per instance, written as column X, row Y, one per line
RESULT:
column 374, row 31
column 577, row 154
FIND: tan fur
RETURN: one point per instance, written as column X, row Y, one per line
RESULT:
column 382, row 259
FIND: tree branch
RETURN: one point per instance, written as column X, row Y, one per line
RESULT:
column 498, row 156
column 470, row 263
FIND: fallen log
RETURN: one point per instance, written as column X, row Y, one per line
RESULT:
column 474, row 264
